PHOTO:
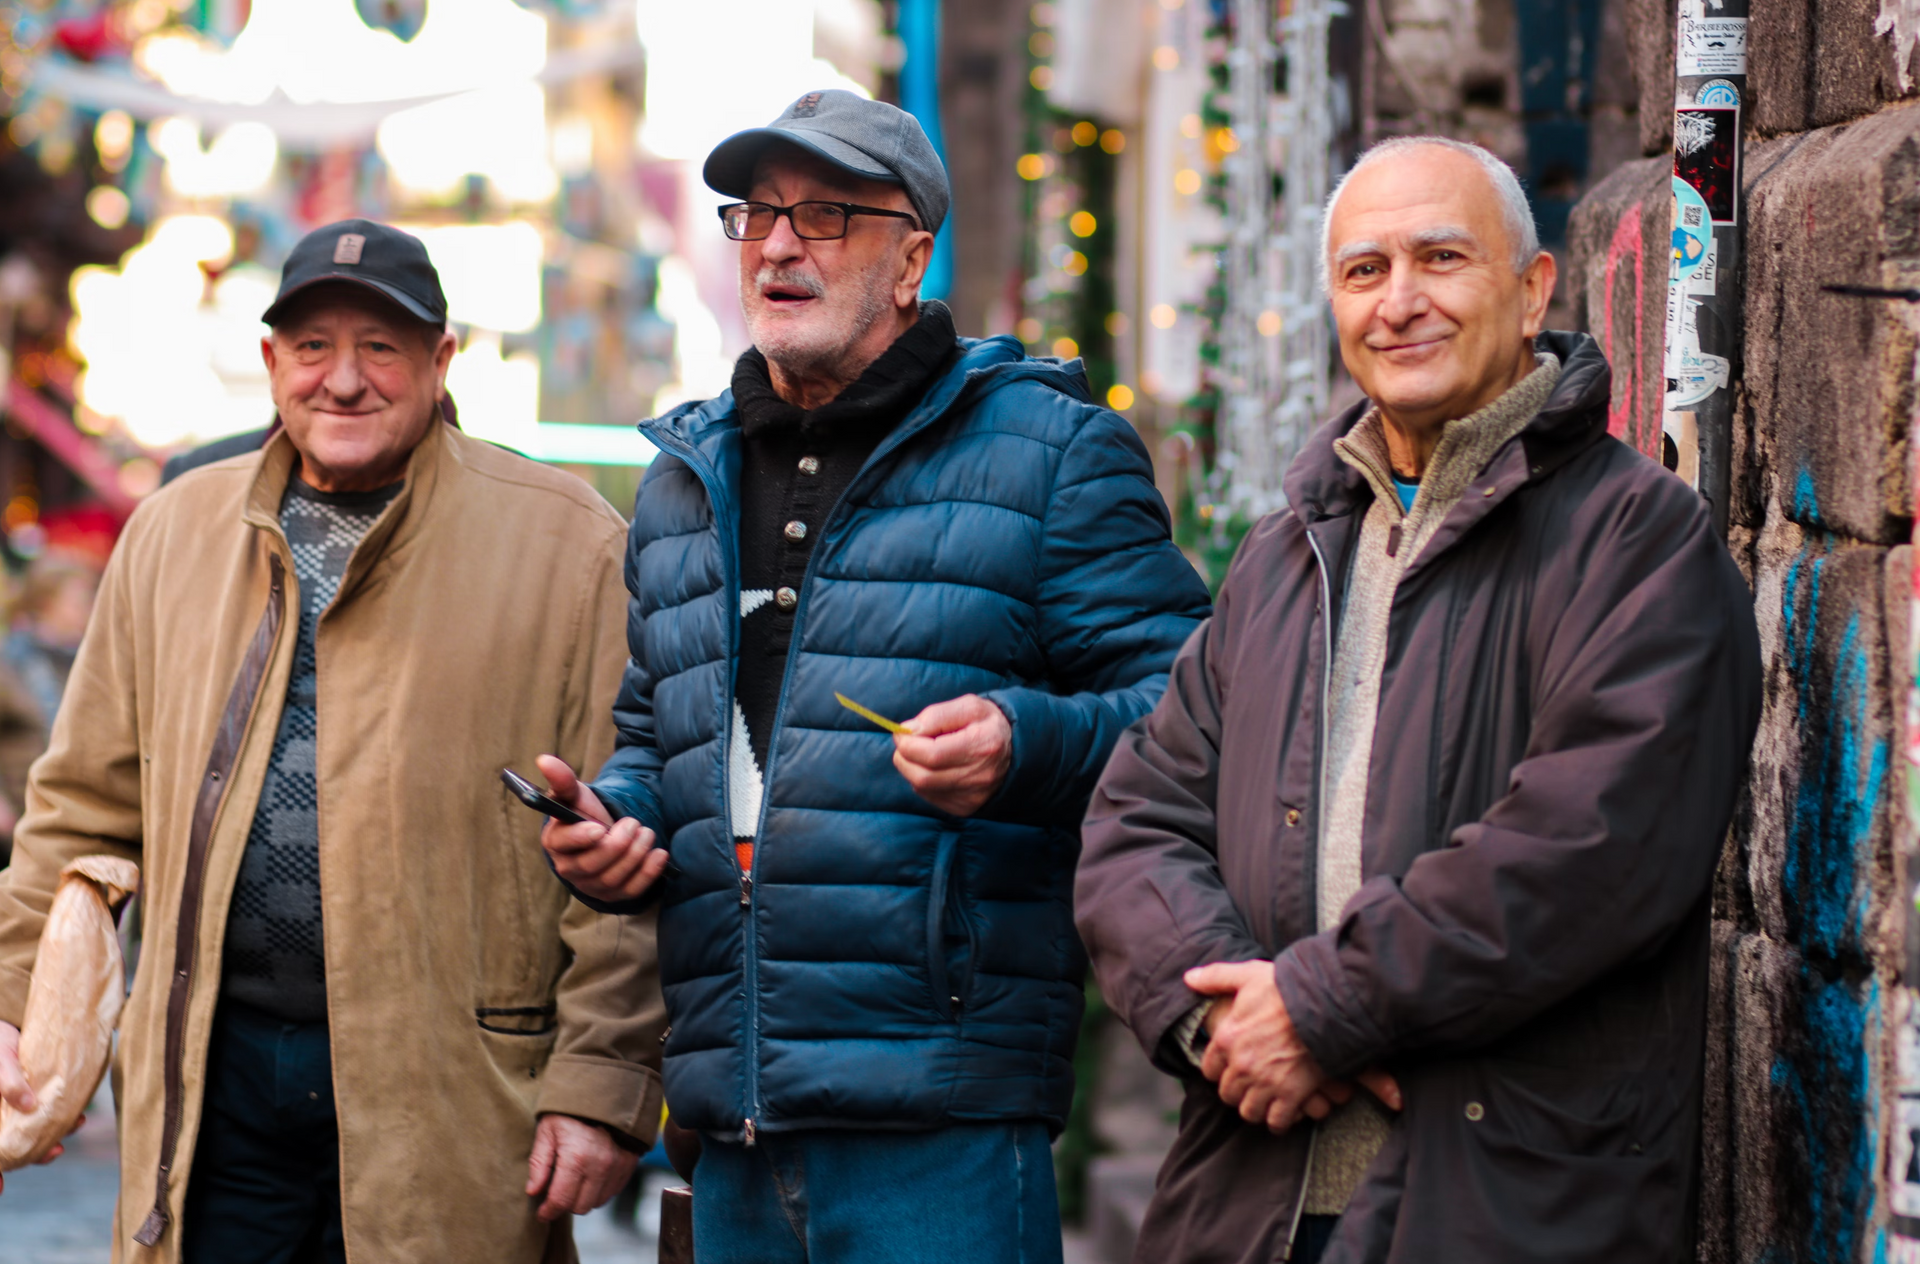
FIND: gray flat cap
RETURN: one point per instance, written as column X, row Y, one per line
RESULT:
column 867, row 138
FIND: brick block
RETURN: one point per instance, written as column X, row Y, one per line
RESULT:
column 1852, row 71
column 1779, row 48
column 1616, row 280
column 1650, row 25
column 1801, row 1143
column 1818, row 858
column 1763, row 981
column 1828, row 379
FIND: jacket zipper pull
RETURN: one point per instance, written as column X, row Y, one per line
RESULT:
column 749, row 1132
column 746, row 890
column 1393, row 541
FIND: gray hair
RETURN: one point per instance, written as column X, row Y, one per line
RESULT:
column 1514, row 207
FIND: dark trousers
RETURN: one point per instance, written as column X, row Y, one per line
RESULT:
column 265, row 1187
column 1311, row 1242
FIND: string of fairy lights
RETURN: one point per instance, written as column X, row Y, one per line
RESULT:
column 1070, row 169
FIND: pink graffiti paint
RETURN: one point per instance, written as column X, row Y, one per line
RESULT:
column 1626, row 240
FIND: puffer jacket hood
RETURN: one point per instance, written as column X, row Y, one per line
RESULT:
column 884, row 964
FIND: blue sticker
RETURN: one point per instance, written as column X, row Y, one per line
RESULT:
column 1692, row 229
column 1717, row 92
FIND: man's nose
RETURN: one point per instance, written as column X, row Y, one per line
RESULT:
column 1406, row 297
column 344, row 380
column 782, row 245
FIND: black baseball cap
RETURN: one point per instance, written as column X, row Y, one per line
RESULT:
column 384, row 259
column 867, row 138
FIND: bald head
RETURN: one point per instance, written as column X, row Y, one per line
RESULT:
column 1501, row 185
column 1437, row 291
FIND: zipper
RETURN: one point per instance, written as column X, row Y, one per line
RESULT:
column 669, row 441
column 1320, row 755
column 1300, row 1203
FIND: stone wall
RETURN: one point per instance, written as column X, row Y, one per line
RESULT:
column 1802, row 1086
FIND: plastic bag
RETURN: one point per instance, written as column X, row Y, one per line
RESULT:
column 79, row 983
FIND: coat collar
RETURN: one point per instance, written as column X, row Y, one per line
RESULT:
column 1319, row 484
column 434, row 459
column 710, row 428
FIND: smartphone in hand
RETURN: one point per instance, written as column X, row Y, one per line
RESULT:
column 533, row 797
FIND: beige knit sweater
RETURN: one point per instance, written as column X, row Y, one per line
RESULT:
column 1353, row 1134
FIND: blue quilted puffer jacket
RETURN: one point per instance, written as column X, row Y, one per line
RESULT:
column 886, row 965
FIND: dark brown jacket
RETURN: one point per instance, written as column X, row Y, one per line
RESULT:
column 1571, row 688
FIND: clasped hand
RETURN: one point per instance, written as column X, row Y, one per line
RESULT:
column 1256, row 1057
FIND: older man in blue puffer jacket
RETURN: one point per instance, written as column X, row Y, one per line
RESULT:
column 866, row 941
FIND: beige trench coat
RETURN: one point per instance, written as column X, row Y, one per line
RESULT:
column 480, row 622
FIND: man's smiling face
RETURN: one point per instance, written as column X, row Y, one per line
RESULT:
column 357, row 382
column 810, row 305
column 1434, row 322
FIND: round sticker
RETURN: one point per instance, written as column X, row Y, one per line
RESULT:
column 1717, row 92
column 1692, row 228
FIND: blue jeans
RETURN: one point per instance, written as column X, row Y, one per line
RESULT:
column 967, row 1194
column 265, row 1184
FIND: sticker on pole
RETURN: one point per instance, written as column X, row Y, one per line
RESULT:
column 1711, row 46
column 1692, row 229
column 1717, row 92
column 1706, row 156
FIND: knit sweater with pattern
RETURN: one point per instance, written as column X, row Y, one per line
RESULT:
column 1390, row 539
column 275, row 956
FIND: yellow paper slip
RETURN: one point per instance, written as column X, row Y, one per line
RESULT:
column 874, row 716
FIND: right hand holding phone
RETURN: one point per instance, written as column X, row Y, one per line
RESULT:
column 599, row 857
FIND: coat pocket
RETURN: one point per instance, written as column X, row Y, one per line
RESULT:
column 950, row 947
column 1536, row 1162
column 518, row 1038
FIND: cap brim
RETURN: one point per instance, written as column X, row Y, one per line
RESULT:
column 729, row 168
column 412, row 307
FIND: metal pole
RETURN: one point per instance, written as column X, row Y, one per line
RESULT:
column 1704, row 280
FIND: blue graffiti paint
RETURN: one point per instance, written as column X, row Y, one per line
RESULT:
column 1822, row 1075
column 1827, row 1092
column 1842, row 773
column 1806, row 501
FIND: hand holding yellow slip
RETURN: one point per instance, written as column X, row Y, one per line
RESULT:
column 873, row 716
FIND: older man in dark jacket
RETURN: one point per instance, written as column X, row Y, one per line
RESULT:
column 867, row 942
column 1432, row 804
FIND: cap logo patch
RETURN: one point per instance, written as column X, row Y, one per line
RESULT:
column 348, row 248
column 806, row 106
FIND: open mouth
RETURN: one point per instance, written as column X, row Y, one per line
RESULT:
column 785, row 295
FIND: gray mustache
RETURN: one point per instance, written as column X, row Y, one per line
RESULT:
column 812, row 285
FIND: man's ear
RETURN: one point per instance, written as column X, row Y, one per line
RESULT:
column 442, row 358
column 266, row 351
column 916, row 252
column 1536, row 283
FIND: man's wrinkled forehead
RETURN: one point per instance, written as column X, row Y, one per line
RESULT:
column 1418, row 239
column 788, row 171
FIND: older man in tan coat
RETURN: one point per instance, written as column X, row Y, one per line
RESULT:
column 365, row 1017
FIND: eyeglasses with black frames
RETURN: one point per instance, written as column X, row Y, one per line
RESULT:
column 812, row 221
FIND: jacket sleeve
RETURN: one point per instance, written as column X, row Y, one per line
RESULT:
column 628, row 783
column 83, row 795
column 1647, row 698
column 606, row 1058
column 1116, row 601
column 1149, row 898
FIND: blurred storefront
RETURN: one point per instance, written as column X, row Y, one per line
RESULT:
column 161, row 156
column 1165, row 179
